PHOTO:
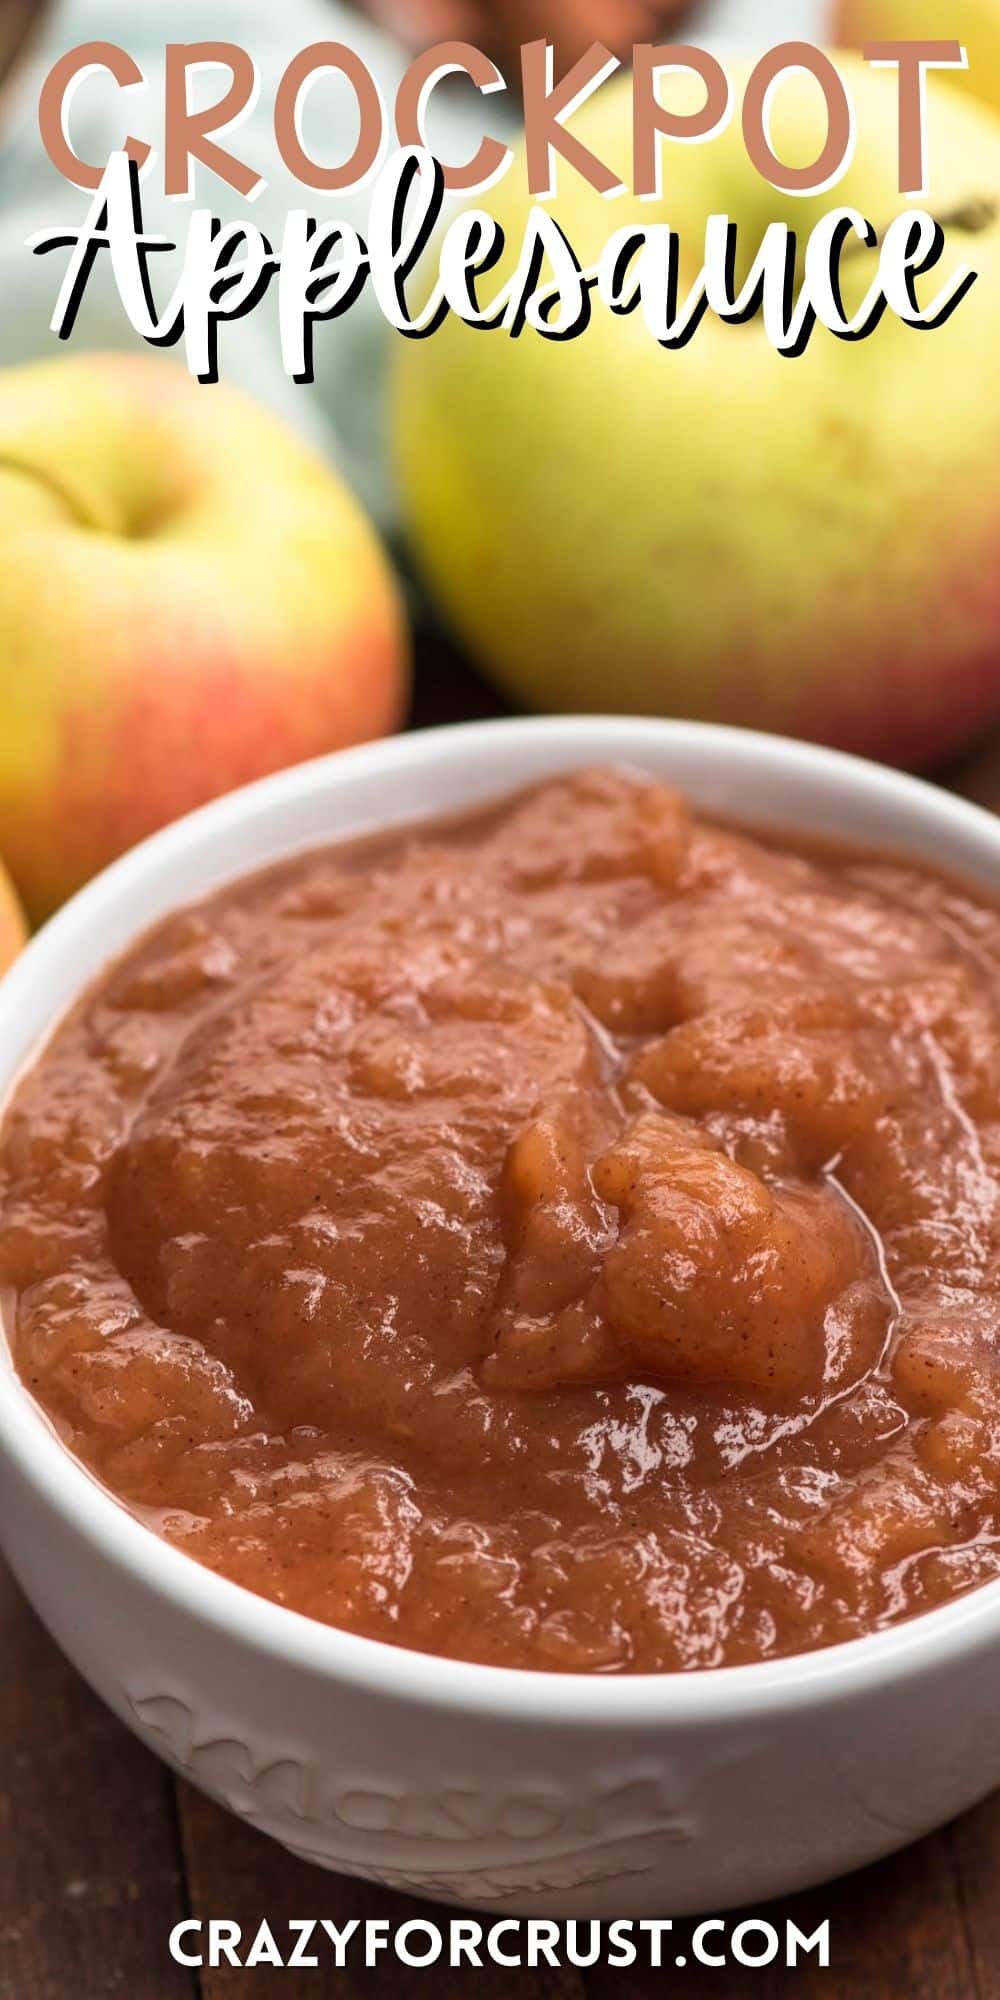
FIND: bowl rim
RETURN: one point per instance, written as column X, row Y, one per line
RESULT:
column 926, row 1643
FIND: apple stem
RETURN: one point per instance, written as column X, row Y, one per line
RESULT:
column 973, row 216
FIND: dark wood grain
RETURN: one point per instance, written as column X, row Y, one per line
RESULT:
column 21, row 22
column 895, row 1929
column 90, row 1874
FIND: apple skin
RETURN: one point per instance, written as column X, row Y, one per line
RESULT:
column 809, row 546
column 975, row 23
column 189, row 599
column 12, row 926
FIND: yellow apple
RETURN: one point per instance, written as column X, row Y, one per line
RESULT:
column 976, row 23
column 188, row 599
column 808, row 545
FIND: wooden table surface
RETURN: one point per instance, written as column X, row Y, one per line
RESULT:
column 102, row 1851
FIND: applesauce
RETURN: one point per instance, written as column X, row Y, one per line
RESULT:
column 565, row 1238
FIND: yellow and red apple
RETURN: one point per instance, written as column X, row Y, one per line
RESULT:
column 811, row 545
column 189, row 598
column 975, row 23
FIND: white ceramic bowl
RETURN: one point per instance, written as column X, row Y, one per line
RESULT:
column 558, row 1794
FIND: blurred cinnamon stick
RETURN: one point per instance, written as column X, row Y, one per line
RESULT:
column 18, row 19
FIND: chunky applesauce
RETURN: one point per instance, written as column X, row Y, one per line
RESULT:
column 567, row 1238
